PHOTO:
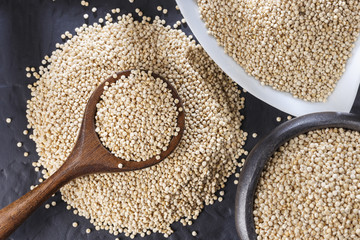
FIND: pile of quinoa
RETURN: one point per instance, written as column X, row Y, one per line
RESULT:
column 300, row 47
column 310, row 188
column 136, row 116
column 175, row 189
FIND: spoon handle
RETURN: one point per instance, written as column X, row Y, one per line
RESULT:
column 18, row 211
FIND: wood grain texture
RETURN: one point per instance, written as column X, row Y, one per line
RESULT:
column 88, row 156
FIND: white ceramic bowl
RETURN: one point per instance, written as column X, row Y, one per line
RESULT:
column 340, row 100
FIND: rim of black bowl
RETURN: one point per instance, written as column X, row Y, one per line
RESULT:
column 264, row 149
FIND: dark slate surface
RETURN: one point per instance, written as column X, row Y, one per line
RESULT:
column 29, row 30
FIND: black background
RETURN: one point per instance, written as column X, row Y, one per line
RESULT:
column 29, row 30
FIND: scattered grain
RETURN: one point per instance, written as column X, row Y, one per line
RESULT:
column 179, row 186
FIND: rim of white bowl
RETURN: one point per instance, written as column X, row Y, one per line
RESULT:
column 341, row 100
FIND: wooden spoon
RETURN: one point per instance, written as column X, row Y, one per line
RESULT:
column 87, row 157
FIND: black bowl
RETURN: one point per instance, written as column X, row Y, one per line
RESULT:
column 265, row 148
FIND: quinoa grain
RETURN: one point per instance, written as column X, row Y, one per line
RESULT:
column 184, row 182
column 309, row 188
column 300, row 47
column 143, row 116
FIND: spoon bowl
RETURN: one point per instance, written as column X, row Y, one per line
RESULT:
column 97, row 155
